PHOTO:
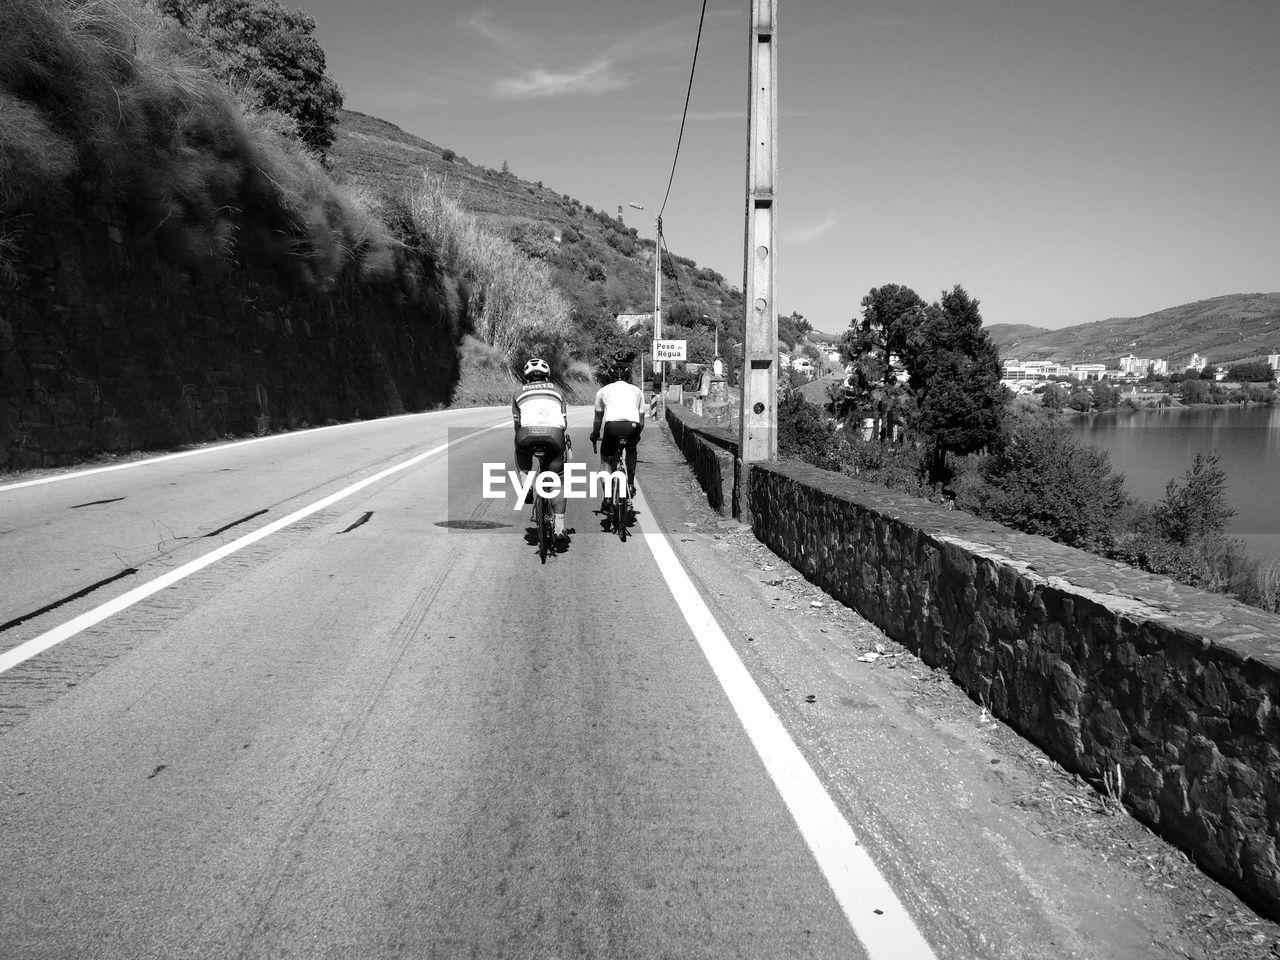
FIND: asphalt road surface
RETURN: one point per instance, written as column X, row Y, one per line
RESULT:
column 315, row 696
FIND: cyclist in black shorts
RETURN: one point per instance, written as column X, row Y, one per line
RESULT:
column 620, row 410
column 540, row 414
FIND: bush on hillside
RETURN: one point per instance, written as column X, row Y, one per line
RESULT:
column 261, row 46
column 104, row 107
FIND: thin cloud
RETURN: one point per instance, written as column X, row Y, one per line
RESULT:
column 811, row 233
column 481, row 22
column 615, row 62
column 594, row 78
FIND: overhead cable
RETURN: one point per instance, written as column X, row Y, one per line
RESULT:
column 683, row 116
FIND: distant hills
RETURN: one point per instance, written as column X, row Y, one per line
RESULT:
column 1228, row 329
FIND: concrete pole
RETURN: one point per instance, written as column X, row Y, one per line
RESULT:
column 659, row 368
column 759, row 430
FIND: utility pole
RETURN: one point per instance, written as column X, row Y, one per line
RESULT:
column 759, row 433
column 657, row 307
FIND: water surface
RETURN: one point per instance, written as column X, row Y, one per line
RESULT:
column 1151, row 447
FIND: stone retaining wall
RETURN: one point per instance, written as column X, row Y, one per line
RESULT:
column 1105, row 667
column 712, row 454
column 106, row 346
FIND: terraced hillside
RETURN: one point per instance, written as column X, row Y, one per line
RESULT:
column 1228, row 329
column 604, row 266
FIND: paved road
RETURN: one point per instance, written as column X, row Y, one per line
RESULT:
column 359, row 719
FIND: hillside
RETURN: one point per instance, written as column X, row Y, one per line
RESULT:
column 1228, row 329
column 1006, row 335
column 603, row 265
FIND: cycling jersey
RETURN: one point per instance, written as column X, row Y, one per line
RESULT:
column 540, row 404
column 620, row 401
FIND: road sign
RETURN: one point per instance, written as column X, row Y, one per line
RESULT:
column 668, row 350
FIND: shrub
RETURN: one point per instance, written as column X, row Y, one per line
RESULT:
column 1198, row 507
column 1044, row 480
column 804, row 434
column 448, row 155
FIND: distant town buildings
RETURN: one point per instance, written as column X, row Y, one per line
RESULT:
column 1132, row 369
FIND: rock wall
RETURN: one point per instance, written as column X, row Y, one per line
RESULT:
column 710, row 450
column 106, row 346
column 1109, row 669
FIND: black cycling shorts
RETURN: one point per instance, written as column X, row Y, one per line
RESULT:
column 551, row 439
column 615, row 430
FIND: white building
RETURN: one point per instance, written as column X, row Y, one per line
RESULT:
column 1133, row 366
column 1159, row 368
column 1089, row 371
column 1196, row 363
column 1033, row 370
column 1273, row 360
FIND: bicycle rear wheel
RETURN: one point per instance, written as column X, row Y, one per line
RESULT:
column 620, row 504
column 540, row 518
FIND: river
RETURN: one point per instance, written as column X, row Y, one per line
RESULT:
column 1151, row 447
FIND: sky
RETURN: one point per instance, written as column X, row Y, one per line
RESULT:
column 1063, row 162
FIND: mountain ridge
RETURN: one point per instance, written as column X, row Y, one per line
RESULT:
column 1232, row 328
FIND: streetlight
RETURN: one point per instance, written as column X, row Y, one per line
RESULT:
column 657, row 289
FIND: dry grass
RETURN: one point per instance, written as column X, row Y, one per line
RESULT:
column 103, row 103
column 485, row 378
column 515, row 307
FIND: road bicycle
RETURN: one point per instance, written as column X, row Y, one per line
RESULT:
column 619, row 493
column 543, row 511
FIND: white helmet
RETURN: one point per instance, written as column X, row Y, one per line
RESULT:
column 537, row 369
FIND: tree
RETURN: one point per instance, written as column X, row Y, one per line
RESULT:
column 792, row 328
column 1081, row 399
column 260, row 45
column 871, row 345
column 954, row 377
column 1209, row 372
column 1198, row 507
column 1045, row 480
column 1054, row 397
column 1195, row 391
column 1105, row 396
column 1252, row 372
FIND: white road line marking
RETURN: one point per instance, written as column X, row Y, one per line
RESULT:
column 25, row 651
column 878, row 918
column 90, row 471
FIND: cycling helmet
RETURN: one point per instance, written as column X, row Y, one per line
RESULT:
column 537, row 369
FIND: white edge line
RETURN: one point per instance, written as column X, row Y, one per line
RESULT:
column 90, row 471
column 858, row 885
column 25, row 651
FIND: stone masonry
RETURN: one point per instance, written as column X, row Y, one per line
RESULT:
column 1109, row 669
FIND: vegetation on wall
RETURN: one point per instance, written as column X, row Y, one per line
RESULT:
column 108, row 114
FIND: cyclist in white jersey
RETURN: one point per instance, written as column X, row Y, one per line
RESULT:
column 620, row 411
column 541, row 419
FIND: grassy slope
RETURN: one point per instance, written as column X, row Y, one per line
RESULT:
column 379, row 155
column 1229, row 329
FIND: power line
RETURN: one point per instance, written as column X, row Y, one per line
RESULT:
column 685, row 114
